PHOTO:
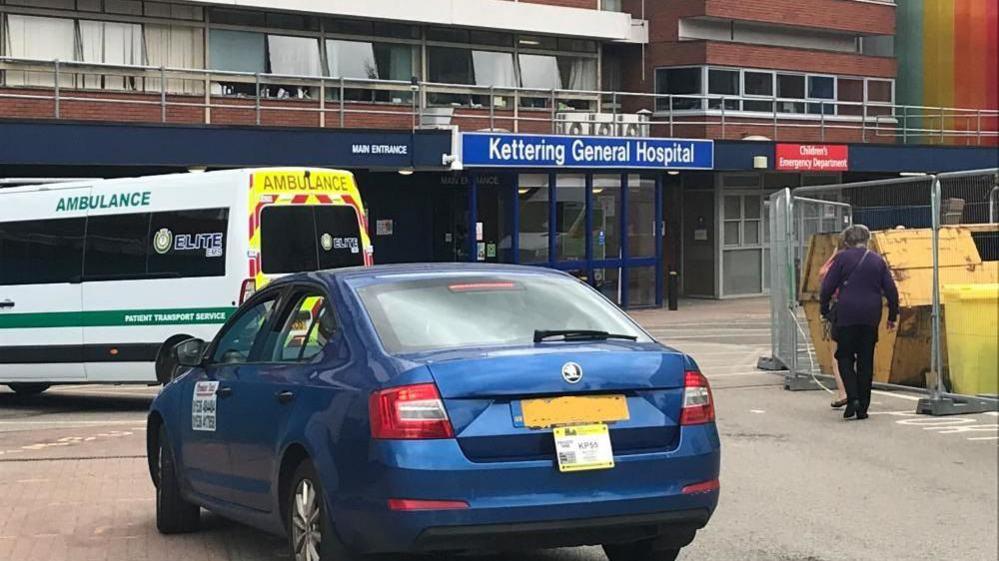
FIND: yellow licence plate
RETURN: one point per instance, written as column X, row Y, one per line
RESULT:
column 572, row 410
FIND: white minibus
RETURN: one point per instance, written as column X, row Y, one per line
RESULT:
column 100, row 279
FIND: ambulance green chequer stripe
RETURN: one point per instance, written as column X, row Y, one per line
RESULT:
column 116, row 318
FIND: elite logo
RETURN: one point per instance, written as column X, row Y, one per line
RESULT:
column 163, row 241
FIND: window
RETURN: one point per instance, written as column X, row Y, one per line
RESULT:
column 175, row 46
column 484, row 311
column 339, row 237
column 822, row 88
column 677, row 82
column 538, row 42
column 742, row 220
column 293, row 56
column 307, row 238
column 760, row 84
column 198, row 247
column 248, row 18
column 109, row 42
column 790, row 86
column 723, row 83
column 236, row 342
column 288, row 240
column 184, row 244
column 451, row 65
column 307, row 328
column 570, row 217
column 237, row 51
column 578, row 73
column 116, row 246
column 41, row 251
column 370, row 61
column 539, row 71
column 22, row 42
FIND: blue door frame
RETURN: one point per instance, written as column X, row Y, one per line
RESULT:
column 588, row 264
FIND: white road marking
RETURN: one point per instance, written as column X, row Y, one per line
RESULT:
column 67, row 423
column 898, row 395
column 757, row 411
column 731, row 374
column 985, row 438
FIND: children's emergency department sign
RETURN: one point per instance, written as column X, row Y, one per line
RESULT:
column 551, row 151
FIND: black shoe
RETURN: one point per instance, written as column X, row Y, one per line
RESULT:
column 851, row 409
column 862, row 413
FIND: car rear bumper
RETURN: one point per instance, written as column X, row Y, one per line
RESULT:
column 677, row 527
column 525, row 503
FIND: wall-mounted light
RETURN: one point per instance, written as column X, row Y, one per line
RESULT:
column 759, row 162
column 406, row 171
column 912, row 173
column 197, row 169
column 598, row 190
column 673, row 172
column 523, row 190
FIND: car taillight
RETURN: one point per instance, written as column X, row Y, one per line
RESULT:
column 247, row 289
column 409, row 412
column 703, row 487
column 698, row 406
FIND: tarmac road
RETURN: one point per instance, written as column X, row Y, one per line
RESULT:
column 798, row 482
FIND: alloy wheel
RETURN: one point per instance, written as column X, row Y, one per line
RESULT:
column 306, row 523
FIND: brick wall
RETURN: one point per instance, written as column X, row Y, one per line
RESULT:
column 841, row 15
column 860, row 17
column 585, row 4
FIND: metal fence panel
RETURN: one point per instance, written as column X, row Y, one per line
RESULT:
column 924, row 226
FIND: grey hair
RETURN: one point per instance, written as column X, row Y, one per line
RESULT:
column 856, row 236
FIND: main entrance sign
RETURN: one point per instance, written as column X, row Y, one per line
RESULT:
column 546, row 151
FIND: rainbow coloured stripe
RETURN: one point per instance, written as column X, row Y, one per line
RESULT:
column 948, row 56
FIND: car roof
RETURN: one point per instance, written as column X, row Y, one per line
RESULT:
column 329, row 277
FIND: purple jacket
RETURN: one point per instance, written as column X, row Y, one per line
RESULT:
column 860, row 300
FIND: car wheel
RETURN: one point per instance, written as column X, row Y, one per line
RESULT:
column 639, row 551
column 174, row 515
column 28, row 389
column 310, row 530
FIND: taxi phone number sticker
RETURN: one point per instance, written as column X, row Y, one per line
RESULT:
column 203, row 406
column 583, row 447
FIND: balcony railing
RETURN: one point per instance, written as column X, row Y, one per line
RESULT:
column 83, row 91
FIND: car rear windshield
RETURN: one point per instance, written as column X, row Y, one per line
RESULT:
column 423, row 314
column 297, row 238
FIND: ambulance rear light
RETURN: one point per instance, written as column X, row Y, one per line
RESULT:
column 246, row 290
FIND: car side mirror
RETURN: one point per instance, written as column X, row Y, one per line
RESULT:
column 190, row 352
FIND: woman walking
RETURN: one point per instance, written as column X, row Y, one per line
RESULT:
column 860, row 278
column 841, row 399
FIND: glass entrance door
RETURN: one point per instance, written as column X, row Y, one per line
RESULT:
column 605, row 229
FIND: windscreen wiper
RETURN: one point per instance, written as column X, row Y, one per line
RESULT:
column 579, row 335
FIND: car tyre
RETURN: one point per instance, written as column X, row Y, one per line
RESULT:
column 639, row 551
column 174, row 515
column 28, row 389
column 311, row 536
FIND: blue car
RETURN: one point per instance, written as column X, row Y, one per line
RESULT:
column 426, row 408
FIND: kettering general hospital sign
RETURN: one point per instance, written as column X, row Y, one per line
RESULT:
column 544, row 151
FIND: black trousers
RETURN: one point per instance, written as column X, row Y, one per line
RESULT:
column 855, row 356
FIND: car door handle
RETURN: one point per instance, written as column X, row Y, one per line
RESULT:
column 284, row 396
column 8, row 303
column 223, row 391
